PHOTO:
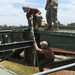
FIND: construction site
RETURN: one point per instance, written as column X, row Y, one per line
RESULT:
column 18, row 45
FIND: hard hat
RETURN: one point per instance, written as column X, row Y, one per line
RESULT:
column 25, row 7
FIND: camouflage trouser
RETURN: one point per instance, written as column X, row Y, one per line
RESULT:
column 51, row 16
column 30, row 25
column 44, row 62
column 32, row 29
column 37, row 21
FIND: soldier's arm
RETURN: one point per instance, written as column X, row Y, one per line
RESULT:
column 39, row 50
column 28, row 15
column 47, row 1
column 38, row 13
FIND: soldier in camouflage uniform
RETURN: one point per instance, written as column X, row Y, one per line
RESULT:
column 33, row 13
column 51, row 13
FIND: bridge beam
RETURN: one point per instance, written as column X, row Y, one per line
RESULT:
column 16, row 45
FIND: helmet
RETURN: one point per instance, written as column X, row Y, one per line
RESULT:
column 44, row 44
column 25, row 7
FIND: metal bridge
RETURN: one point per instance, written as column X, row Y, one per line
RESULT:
column 67, row 64
column 56, row 69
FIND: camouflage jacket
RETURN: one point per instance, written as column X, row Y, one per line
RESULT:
column 53, row 3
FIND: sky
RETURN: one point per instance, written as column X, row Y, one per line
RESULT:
column 11, row 12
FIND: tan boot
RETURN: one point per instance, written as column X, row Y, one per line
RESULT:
column 55, row 28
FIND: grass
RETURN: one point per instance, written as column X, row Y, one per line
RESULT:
column 19, row 69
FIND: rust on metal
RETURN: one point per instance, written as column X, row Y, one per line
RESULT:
column 57, row 50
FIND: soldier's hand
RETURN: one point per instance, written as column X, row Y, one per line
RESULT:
column 31, row 18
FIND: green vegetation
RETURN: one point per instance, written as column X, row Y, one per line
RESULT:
column 71, row 24
column 19, row 69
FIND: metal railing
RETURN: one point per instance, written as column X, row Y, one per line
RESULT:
column 55, row 69
column 16, row 45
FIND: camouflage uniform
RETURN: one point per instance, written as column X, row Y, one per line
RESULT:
column 51, row 13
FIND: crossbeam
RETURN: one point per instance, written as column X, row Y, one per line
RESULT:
column 16, row 45
column 56, row 69
column 61, row 63
column 5, row 32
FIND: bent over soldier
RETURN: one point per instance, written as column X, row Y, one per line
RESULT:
column 51, row 13
column 35, row 13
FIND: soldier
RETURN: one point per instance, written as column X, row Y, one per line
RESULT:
column 46, row 52
column 36, row 16
column 51, row 13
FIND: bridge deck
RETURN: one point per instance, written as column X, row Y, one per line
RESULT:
column 64, row 72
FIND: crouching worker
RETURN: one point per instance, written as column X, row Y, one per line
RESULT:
column 36, row 16
column 47, row 52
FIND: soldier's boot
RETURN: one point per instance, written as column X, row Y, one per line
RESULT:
column 55, row 28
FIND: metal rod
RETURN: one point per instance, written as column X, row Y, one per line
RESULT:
column 55, row 69
column 17, row 45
